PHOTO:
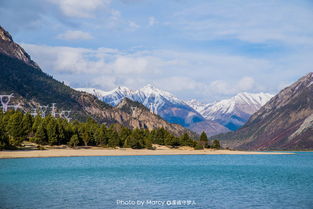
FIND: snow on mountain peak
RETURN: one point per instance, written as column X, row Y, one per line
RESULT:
column 242, row 103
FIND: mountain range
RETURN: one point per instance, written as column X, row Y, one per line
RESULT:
column 284, row 123
column 162, row 103
column 32, row 87
column 233, row 112
column 213, row 118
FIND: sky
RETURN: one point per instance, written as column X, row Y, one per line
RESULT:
column 200, row 49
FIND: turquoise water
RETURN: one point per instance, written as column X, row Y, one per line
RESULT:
column 202, row 181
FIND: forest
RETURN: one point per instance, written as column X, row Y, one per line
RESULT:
column 16, row 127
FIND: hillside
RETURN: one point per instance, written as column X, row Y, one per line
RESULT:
column 285, row 122
column 32, row 87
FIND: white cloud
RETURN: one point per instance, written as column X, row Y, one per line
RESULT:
column 189, row 75
column 80, row 8
column 105, row 82
column 75, row 35
column 178, row 83
column 233, row 87
column 132, row 25
column 152, row 21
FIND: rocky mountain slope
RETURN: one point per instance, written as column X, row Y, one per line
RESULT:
column 146, row 119
column 12, row 49
column 234, row 112
column 31, row 86
column 162, row 103
column 285, row 122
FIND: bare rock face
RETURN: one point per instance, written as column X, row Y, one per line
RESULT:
column 285, row 122
column 141, row 117
column 12, row 49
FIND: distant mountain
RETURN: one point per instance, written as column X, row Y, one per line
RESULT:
column 285, row 122
column 234, row 112
column 163, row 104
column 31, row 86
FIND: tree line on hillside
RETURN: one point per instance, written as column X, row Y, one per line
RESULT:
column 15, row 127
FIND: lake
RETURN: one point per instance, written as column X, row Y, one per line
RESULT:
column 185, row 181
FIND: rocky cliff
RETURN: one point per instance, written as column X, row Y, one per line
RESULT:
column 285, row 122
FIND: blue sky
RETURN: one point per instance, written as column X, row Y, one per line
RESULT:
column 207, row 50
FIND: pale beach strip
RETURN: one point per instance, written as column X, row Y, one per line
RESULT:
column 68, row 152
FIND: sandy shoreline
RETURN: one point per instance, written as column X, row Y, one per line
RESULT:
column 67, row 152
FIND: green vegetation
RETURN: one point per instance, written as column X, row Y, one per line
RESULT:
column 204, row 142
column 15, row 127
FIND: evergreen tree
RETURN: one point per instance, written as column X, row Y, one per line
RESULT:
column 74, row 141
column 4, row 139
column 136, row 139
column 62, row 132
column 15, row 129
column 159, row 135
column 40, row 135
column 204, row 139
column 216, row 144
column 123, row 135
column 113, row 138
column 147, row 139
column 37, row 122
column 172, row 141
column 186, row 140
column 100, row 136
column 52, row 132
column 27, row 124
column 85, row 136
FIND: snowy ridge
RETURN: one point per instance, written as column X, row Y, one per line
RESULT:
column 233, row 112
column 146, row 95
column 246, row 102
column 158, row 101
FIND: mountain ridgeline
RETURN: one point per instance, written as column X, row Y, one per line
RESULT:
column 234, row 112
column 32, row 87
column 284, row 123
column 164, row 104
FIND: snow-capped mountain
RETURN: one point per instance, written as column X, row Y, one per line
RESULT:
column 163, row 104
column 234, row 112
column 160, row 102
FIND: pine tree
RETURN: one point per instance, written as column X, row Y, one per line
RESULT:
column 113, row 138
column 52, row 133
column 4, row 139
column 40, row 135
column 100, row 136
column 61, row 130
column 124, row 134
column 204, row 139
column 15, row 129
column 147, row 139
column 27, row 124
column 37, row 122
column 186, row 140
column 172, row 141
column 216, row 144
column 136, row 139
